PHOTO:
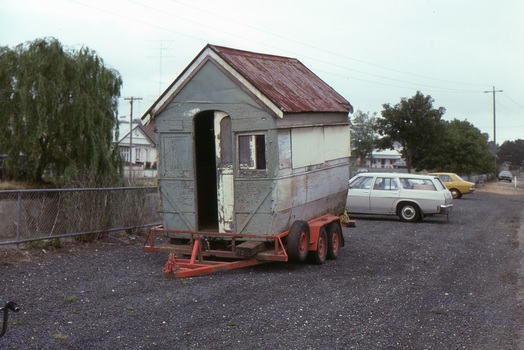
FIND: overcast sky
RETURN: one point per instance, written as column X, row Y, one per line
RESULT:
column 372, row 52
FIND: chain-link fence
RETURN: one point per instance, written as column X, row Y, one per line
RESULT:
column 31, row 215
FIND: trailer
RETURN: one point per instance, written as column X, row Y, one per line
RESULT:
column 253, row 163
column 210, row 252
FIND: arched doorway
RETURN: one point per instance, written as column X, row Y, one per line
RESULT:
column 214, row 171
column 206, row 174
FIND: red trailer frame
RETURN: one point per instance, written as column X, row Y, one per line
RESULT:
column 244, row 250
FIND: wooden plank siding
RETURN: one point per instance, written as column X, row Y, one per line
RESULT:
column 306, row 154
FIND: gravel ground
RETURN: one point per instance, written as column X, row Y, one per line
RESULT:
column 430, row 285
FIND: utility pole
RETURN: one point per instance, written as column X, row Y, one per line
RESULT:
column 493, row 92
column 131, row 100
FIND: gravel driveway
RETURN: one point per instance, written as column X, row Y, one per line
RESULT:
column 430, row 285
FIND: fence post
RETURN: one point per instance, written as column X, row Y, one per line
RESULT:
column 18, row 211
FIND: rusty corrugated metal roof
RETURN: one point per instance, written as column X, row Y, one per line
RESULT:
column 285, row 81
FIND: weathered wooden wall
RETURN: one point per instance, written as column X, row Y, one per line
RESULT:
column 266, row 201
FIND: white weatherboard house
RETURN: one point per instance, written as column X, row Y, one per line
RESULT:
column 141, row 148
column 249, row 143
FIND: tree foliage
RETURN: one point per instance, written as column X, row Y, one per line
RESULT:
column 363, row 134
column 413, row 123
column 462, row 149
column 512, row 152
column 58, row 110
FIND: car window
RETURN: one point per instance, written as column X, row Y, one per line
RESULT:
column 418, row 184
column 459, row 178
column 363, row 182
column 440, row 186
column 445, row 178
column 385, row 184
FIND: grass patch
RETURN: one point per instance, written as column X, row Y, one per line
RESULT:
column 60, row 336
column 49, row 244
column 70, row 299
column 19, row 185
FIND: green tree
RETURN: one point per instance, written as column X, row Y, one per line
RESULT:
column 512, row 152
column 413, row 123
column 58, row 110
column 363, row 134
column 462, row 149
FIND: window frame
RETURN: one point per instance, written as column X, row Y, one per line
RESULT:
column 258, row 160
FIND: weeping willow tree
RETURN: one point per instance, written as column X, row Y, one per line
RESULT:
column 58, row 110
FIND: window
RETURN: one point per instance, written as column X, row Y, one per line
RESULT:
column 385, row 183
column 137, row 151
column 418, row 184
column 445, row 178
column 125, row 153
column 361, row 182
column 252, row 152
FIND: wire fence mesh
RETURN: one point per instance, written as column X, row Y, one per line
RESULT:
column 86, row 213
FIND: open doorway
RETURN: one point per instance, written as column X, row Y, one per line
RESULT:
column 206, row 174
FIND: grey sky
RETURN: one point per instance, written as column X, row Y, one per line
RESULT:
column 372, row 52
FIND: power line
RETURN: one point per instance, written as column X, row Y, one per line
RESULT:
column 250, row 39
column 331, row 53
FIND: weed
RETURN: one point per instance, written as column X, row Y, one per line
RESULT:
column 70, row 299
column 60, row 336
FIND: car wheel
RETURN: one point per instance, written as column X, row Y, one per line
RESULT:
column 298, row 241
column 455, row 193
column 319, row 255
column 409, row 212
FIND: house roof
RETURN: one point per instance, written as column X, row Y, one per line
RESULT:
column 147, row 130
column 282, row 83
column 386, row 154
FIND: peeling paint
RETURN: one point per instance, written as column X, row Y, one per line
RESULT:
column 192, row 112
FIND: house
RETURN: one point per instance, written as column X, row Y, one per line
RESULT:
column 139, row 150
column 386, row 158
column 249, row 143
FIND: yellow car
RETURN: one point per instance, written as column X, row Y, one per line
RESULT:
column 455, row 184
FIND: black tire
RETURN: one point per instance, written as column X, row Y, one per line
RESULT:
column 335, row 240
column 409, row 212
column 455, row 193
column 319, row 255
column 298, row 241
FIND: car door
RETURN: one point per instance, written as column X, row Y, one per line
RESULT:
column 384, row 195
column 358, row 194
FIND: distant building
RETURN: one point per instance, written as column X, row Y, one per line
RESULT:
column 141, row 149
column 386, row 158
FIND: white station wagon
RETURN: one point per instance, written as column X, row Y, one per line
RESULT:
column 409, row 196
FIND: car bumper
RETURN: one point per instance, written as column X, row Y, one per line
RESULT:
column 444, row 209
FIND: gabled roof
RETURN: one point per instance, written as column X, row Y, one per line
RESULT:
column 147, row 130
column 284, row 84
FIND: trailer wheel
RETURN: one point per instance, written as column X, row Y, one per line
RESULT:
column 319, row 256
column 298, row 241
column 334, row 239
